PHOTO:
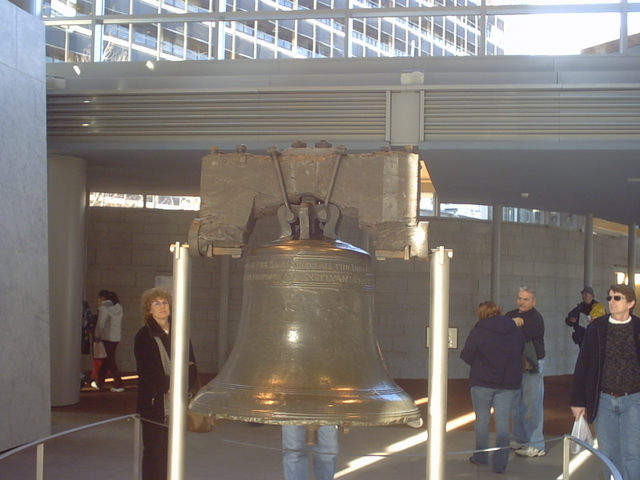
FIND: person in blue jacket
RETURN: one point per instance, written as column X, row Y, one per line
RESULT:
column 494, row 351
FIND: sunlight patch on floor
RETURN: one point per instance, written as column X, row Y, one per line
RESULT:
column 403, row 445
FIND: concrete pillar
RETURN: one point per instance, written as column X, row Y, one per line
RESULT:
column 67, row 211
column 631, row 258
column 34, row 7
column 496, row 250
column 588, row 250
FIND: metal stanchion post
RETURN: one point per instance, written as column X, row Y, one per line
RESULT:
column 40, row 461
column 438, row 363
column 566, row 457
column 179, row 359
column 137, row 448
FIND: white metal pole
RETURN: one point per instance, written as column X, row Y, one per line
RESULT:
column 438, row 363
column 179, row 359
column 40, row 461
column 137, row 449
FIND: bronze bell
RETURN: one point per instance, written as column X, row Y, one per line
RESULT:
column 306, row 352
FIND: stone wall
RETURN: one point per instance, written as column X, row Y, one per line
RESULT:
column 128, row 249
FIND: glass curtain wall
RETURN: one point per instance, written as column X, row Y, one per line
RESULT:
column 141, row 30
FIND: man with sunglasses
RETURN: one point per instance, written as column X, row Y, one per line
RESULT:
column 606, row 381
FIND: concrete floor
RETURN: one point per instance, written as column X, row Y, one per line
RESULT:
column 236, row 451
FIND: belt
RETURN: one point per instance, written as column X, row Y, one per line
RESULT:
column 620, row 394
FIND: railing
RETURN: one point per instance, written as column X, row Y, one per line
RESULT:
column 40, row 445
column 566, row 457
column 137, row 450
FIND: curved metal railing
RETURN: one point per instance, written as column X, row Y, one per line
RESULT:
column 137, row 449
column 40, row 444
column 566, row 457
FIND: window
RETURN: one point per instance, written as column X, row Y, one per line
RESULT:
column 128, row 200
column 576, row 27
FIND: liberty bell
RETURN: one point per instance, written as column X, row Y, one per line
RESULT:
column 306, row 353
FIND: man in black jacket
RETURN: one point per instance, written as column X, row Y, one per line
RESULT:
column 606, row 381
column 586, row 311
column 528, row 409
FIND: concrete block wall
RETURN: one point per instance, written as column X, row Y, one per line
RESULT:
column 548, row 259
column 129, row 248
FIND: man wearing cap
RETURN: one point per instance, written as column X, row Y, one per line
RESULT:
column 580, row 317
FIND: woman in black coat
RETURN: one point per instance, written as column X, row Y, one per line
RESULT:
column 153, row 382
column 494, row 351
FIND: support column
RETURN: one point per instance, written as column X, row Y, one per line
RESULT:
column 588, row 250
column 496, row 251
column 631, row 255
column 223, row 322
column 67, row 212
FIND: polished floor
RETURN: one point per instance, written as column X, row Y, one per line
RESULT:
column 238, row 451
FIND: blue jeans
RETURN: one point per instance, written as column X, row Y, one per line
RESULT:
column 296, row 453
column 528, row 409
column 501, row 401
column 618, row 433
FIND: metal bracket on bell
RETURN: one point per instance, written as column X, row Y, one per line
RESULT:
column 291, row 215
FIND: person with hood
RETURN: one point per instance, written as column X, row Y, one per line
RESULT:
column 494, row 351
column 108, row 331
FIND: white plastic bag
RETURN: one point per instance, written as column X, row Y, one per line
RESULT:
column 582, row 432
column 99, row 351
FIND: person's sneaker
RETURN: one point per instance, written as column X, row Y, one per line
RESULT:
column 516, row 445
column 117, row 390
column 94, row 385
column 530, row 451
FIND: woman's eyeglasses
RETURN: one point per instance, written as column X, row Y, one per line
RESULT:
column 159, row 304
column 617, row 298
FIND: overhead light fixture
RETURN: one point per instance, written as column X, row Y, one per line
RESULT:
column 150, row 65
column 76, row 69
column 412, row 77
column 633, row 179
column 524, row 195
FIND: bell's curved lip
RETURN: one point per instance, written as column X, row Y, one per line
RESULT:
column 390, row 406
column 270, row 418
